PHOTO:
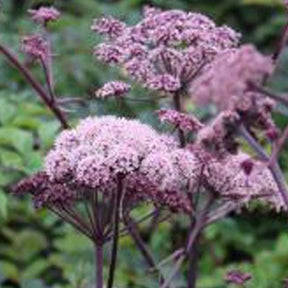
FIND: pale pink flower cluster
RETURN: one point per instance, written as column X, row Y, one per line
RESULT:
column 218, row 136
column 182, row 121
column 229, row 178
column 45, row 14
column 166, row 49
column 35, row 47
column 99, row 150
column 226, row 80
column 113, row 89
column 165, row 83
column 108, row 26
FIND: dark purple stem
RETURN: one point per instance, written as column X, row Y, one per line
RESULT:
column 48, row 81
column 193, row 236
column 274, row 167
column 193, row 265
column 267, row 93
column 116, row 221
column 35, row 85
column 178, row 107
column 278, row 147
column 282, row 44
column 134, row 233
column 99, row 266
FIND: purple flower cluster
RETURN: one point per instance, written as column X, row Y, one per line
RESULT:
column 35, row 47
column 232, row 178
column 113, row 89
column 165, row 50
column 227, row 78
column 46, row 193
column 237, row 277
column 44, row 15
column 182, row 121
column 99, row 150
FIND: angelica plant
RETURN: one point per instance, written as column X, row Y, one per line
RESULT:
column 97, row 172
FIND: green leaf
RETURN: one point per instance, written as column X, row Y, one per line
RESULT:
column 3, row 204
column 47, row 133
column 19, row 139
column 9, row 269
column 26, row 122
column 36, row 268
column 262, row 2
column 10, row 159
column 7, row 111
column 33, row 162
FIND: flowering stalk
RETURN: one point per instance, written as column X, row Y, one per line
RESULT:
column 274, row 167
column 116, row 221
column 99, row 265
column 35, row 85
column 177, row 106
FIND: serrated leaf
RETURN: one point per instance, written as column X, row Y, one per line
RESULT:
column 33, row 162
column 33, row 270
column 26, row 122
column 47, row 133
column 7, row 111
column 19, row 139
column 10, row 159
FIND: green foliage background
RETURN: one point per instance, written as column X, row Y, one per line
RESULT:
column 36, row 249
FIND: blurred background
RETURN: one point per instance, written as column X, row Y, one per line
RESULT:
column 36, row 249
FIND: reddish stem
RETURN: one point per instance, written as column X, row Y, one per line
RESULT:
column 99, row 266
column 278, row 147
column 116, row 220
column 177, row 106
column 281, row 45
column 35, row 85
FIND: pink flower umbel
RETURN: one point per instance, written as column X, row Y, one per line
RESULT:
column 88, row 162
column 186, row 123
column 44, row 15
column 165, row 83
column 108, row 26
column 226, row 81
column 113, row 89
column 166, row 49
column 35, row 47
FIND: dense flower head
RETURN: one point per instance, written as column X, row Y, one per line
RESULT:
column 35, row 47
column 45, row 14
column 238, row 177
column 99, row 150
column 113, row 89
column 218, row 136
column 165, row 46
column 164, row 82
column 226, row 80
column 186, row 123
column 108, row 26
column 237, row 277
column 45, row 192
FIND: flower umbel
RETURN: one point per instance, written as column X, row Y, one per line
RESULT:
column 113, row 89
column 45, row 14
